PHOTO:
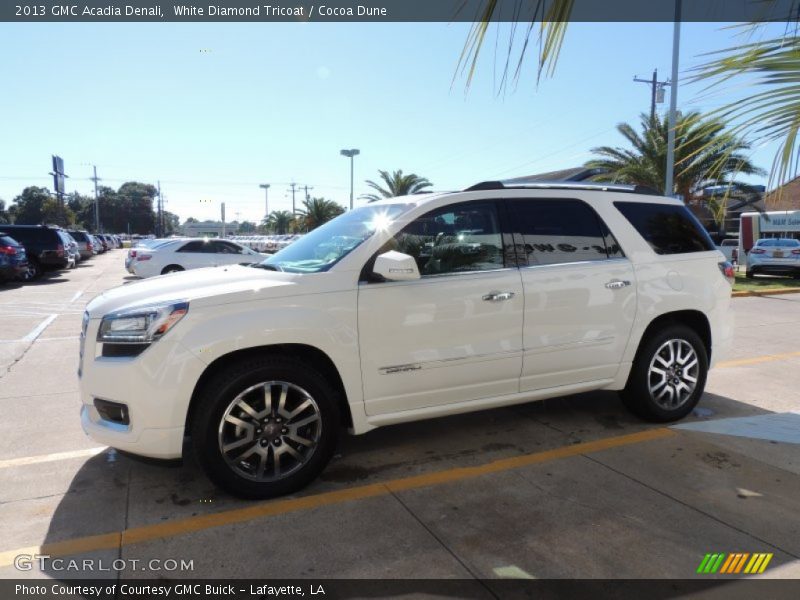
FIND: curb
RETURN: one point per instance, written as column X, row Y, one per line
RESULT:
column 767, row 292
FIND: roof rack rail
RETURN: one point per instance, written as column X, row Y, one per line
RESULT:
column 564, row 185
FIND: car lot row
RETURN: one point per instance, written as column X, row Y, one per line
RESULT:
column 27, row 251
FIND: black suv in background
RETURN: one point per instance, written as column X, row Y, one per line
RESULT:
column 44, row 246
column 13, row 260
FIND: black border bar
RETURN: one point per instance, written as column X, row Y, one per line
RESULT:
column 323, row 11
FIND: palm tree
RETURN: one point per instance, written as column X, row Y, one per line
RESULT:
column 771, row 114
column 705, row 154
column 279, row 221
column 397, row 184
column 317, row 211
column 771, row 66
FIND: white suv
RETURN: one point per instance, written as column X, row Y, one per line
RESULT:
column 405, row 309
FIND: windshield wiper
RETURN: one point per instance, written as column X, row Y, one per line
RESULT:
column 267, row 267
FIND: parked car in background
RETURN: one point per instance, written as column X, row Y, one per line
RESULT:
column 13, row 260
column 406, row 309
column 182, row 255
column 730, row 248
column 143, row 244
column 45, row 247
column 774, row 256
column 84, row 243
column 97, row 245
column 72, row 249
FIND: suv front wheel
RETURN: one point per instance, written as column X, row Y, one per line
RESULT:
column 668, row 375
column 265, row 427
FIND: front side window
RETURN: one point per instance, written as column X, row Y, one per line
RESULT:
column 455, row 239
column 560, row 231
column 668, row 228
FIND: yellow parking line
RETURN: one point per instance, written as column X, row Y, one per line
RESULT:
column 277, row 507
column 756, row 360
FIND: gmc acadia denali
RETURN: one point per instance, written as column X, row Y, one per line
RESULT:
column 409, row 308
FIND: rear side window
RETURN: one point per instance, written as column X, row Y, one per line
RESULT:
column 560, row 231
column 196, row 246
column 668, row 228
column 7, row 241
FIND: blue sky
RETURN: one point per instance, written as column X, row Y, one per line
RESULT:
column 212, row 110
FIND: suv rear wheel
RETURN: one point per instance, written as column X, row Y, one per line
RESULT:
column 265, row 427
column 668, row 375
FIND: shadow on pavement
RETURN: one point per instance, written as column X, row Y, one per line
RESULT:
column 112, row 492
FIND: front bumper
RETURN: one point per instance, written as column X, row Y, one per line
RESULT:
column 155, row 386
column 153, row 443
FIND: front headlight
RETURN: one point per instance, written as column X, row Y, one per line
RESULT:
column 141, row 325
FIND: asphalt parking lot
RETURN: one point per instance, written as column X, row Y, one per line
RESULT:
column 567, row 488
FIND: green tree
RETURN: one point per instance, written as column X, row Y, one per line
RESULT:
column 4, row 216
column 705, row 154
column 247, row 227
column 171, row 223
column 318, row 211
column 83, row 209
column 396, row 184
column 35, row 206
column 135, row 208
column 192, row 220
column 278, row 221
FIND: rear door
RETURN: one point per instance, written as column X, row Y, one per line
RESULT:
column 580, row 293
column 193, row 254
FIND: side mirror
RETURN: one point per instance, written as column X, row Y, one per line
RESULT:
column 396, row 266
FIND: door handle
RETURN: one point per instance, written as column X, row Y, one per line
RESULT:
column 498, row 296
column 616, row 284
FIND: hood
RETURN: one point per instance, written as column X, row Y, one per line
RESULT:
column 201, row 287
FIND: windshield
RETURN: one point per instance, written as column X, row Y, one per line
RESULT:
column 323, row 247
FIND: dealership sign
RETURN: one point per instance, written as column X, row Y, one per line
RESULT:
column 780, row 221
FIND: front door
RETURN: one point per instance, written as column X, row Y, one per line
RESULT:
column 455, row 334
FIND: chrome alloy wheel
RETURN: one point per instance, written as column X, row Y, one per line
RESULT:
column 673, row 372
column 270, row 431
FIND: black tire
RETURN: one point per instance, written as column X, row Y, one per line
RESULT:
column 637, row 396
column 34, row 271
column 218, row 395
column 172, row 269
column 749, row 274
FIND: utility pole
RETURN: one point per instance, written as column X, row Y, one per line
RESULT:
column 656, row 91
column 293, row 185
column 306, row 188
column 160, row 217
column 673, row 103
column 96, row 201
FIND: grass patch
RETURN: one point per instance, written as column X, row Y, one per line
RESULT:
column 763, row 282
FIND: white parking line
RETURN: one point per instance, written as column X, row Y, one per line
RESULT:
column 42, row 458
column 37, row 331
column 76, row 296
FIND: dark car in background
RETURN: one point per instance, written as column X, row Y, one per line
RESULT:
column 85, row 244
column 13, row 259
column 44, row 245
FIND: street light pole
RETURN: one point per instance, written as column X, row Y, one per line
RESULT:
column 673, row 102
column 265, row 187
column 353, row 152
